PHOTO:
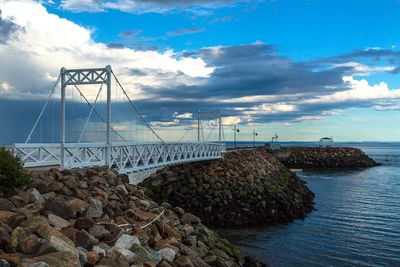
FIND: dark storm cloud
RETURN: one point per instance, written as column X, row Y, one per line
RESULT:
column 390, row 56
column 116, row 45
column 129, row 33
column 255, row 70
column 7, row 28
column 180, row 32
column 240, row 71
column 373, row 53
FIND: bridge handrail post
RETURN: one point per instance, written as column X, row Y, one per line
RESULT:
column 62, row 119
column 108, row 144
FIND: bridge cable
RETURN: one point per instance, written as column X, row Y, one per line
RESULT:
column 201, row 129
column 90, row 114
column 95, row 111
column 84, row 127
column 209, row 134
column 223, row 132
column 136, row 110
column 42, row 111
column 183, row 136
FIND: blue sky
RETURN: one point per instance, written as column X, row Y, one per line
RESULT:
column 301, row 68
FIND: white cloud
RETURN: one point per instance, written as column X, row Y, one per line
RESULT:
column 186, row 115
column 231, row 120
column 358, row 90
column 46, row 42
column 272, row 108
column 364, row 70
column 5, row 87
column 149, row 6
column 165, row 123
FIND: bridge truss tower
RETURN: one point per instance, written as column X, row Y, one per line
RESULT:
column 91, row 76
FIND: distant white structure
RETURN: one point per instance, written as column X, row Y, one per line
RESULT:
column 326, row 142
column 274, row 145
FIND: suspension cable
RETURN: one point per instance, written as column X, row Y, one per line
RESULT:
column 209, row 134
column 90, row 115
column 201, row 128
column 183, row 136
column 136, row 110
column 42, row 111
column 95, row 111
column 223, row 132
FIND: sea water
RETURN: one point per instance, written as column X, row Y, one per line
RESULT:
column 356, row 221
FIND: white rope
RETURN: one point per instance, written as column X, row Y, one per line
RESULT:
column 155, row 219
column 42, row 111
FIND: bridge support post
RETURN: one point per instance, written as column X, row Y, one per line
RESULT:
column 108, row 144
column 198, row 126
column 62, row 119
column 219, row 127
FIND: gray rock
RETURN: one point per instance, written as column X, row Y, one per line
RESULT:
column 144, row 203
column 129, row 255
column 168, row 254
column 190, row 218
column 95, row 208
column 58, row 222
column 146, row 254
column 6, row 204
column 82, row 254
column 59, row 208
column 85, row 240
column 99, row 250
column 219, row 253
column 192, row 239
column 210, row 259
column 98, row 231
column 36, row 196
column 126, row 241
column 4, row 263
column 121, row 189
column 38, row 264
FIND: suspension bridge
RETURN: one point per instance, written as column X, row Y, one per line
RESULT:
column 125, row 155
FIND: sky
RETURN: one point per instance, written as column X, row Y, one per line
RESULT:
column 302, row 69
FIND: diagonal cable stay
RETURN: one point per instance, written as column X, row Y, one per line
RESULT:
column 96, row 112
column 136, row 110
column 42, row 111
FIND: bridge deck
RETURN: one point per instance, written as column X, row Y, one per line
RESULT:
column 125, row 156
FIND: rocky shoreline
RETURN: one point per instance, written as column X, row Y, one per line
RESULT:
column 245, row 187
column 327, row 158
column 94, row 217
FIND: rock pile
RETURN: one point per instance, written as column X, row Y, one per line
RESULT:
column 95, row 217
column 327, row 158
column 245, row 187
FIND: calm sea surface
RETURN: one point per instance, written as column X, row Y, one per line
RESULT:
column 357, row 221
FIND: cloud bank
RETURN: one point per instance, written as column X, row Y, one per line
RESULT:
column 250, row 83
column 146, row 6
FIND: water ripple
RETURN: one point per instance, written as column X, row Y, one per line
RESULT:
column 357, row 221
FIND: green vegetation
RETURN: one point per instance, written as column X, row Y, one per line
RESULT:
column 11, row 170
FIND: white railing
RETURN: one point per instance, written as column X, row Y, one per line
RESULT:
column 126, row 156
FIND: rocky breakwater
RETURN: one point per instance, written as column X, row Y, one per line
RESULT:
column 327, row 158
column 95, row 217
column 245, row 187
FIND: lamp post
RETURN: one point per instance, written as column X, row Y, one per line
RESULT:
column 235, row 130
column 254, row 138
